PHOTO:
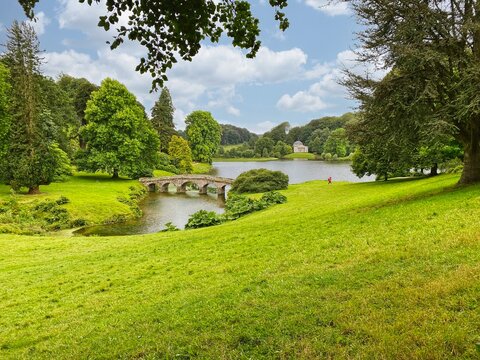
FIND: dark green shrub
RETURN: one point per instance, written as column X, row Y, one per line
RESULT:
column 238, row 205
column 260, row 180
column 273, row 197
column 62, row 200
column 170, row 227
column 78, row 223
column 203, row 218
column 45, row 206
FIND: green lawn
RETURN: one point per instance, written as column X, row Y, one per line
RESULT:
column 308, row 156
column 384, row 270
column 93, row 197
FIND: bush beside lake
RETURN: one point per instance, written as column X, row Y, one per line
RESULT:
column 260, row 180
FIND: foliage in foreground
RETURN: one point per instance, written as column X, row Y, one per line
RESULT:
column 171, row 31
column 260, row 180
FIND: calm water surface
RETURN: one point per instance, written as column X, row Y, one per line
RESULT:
column 161, row 208
column 298, row 170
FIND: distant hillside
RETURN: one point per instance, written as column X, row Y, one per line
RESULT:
column 304, row 133
column 233, row 135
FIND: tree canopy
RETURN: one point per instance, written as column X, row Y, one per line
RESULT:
column 162, row 118
column 119, row 138
column 175, row 29
column 433, row 51
column 31, row 154
column 180, row 154
column 233, row 135
column 203, row 134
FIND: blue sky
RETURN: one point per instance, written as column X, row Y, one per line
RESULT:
column 293, row 78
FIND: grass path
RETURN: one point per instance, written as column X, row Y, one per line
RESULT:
column 373, row 270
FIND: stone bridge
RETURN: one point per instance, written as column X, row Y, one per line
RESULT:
column 181, row 182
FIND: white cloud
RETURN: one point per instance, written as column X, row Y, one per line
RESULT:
column 108, row 63
column 40, row 22
column 302, row 101
column 318, row 71
column 217, row 71
column 233, row 111
column 263, row 127
column 211, row 78
column 321, row 94
column 330, row 7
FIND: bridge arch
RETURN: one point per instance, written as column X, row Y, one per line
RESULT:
column 181, row 182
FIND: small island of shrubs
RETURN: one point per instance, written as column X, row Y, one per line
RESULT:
column 260, row 180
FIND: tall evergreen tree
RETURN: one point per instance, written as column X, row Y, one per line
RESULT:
column 30, row 159
column 5, row 119
column 162, row 118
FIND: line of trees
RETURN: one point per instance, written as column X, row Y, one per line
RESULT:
column 327, row 137
column 47, row 126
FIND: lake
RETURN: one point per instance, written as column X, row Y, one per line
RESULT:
column 161, row 208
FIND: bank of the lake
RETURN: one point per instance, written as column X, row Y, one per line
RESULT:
column 371, row 270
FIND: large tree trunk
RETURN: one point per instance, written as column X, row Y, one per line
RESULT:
column 34, row 190
column 115, row 174
column 434, row 170
column 471, row 161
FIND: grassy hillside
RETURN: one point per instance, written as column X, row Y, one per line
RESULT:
column 93, row 197
column 372, row 270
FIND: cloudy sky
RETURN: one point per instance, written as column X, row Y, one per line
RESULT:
column 293, row 78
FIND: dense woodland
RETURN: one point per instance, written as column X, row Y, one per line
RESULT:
column 50, row 127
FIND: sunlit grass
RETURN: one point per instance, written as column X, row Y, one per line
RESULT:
column 93, row 197
column 373, row 270
column 308, row 156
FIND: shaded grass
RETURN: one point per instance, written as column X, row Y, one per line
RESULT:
column 373, row 270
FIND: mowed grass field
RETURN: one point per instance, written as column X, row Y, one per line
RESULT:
column 385, row 270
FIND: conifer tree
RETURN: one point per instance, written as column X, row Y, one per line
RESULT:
column 30, row 161
column 5, row 120
column 162, row 118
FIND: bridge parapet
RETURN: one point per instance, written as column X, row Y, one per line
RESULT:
column 180, row 182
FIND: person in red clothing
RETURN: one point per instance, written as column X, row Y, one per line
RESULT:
column 329, row 179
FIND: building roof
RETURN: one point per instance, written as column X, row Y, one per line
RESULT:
column 297, row 143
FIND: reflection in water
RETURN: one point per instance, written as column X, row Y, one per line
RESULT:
column 161, row 208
